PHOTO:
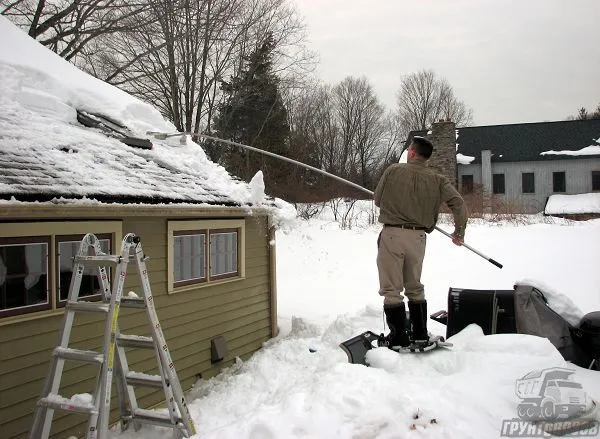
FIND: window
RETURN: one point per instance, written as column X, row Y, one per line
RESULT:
column 467, row 183
column 596, row 180
column 223, row 254
column 189, row 257
column 204, row 252
column 24, row 283
column 36, row 265
column 559, row 182
column 498, row 183
column 66, row 249
column 528, row 182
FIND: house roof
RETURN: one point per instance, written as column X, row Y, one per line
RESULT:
column 67, row 135
column 573, row 139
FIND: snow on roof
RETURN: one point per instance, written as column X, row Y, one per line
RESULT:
column 589, row 150
column 45, row 153
column 464, row 159
column 573, row 204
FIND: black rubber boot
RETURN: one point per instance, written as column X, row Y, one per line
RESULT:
column 395, row 316
column 417, row 310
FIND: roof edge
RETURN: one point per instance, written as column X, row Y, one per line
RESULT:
column 34, row 211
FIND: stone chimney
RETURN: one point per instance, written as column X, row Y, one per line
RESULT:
column 443, row 159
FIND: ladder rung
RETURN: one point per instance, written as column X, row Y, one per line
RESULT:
column 133, row 302
column 95, row 261
column 135, row 341
column 87, row 306
column 58, row 402
column 79, row 355
column 155, row 418
column 142, row 379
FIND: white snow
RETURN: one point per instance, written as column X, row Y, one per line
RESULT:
column 558, row 302
column 573, row 204
column 588, row 150
column 464, row 159
column 300, row 384
column 81, row 399
column 39, row 96
column 257, row 189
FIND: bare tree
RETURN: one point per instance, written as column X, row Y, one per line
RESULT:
column 360, row 118
column 187, row 48
column 344, row 130
column 67, row 27
column 423, row 98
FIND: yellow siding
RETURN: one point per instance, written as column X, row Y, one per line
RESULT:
column 240, row 311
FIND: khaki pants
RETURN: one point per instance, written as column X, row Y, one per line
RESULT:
column 400, row 262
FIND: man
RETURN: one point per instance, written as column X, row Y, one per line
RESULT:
column 409, row 197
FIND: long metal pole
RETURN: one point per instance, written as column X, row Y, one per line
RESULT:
column 312, row 168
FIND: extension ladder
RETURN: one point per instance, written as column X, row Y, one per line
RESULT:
column 112, row 360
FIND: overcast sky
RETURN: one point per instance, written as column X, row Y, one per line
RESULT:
column 510, row 61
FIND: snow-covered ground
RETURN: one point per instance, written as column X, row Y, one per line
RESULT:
column 301, row 385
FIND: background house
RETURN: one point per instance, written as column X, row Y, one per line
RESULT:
column 75, row 159
column 522, row 164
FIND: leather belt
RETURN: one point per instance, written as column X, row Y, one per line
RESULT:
column 404, row 226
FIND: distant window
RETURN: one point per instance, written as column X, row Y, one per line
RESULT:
column 528, row 182
column 24, row 284
column 189, row 257
column 596, row 180
column 559, row 182
column 67, row 247
column 498, row 183
column 467, row 183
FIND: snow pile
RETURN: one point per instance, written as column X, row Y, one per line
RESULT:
column 257, row 189
column 573, row 204
column 558, row 302
column 589, row 150
column 46, row 81
column 464, row 159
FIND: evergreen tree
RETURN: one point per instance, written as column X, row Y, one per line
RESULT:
column 254, row 114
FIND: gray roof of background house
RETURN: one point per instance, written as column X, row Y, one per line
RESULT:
column 526, row 141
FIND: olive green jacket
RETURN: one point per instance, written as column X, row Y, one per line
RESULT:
column 412, row 194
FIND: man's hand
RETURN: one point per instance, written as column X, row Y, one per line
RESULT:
column 457, row 240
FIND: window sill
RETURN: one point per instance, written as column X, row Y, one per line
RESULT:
column 203, row 285
column 31, row 316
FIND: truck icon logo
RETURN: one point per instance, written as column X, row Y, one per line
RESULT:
column 549, row 395
column 552, row 403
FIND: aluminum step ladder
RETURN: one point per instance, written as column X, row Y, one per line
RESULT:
column 112, row 360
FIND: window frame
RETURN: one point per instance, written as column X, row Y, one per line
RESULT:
column 211, row 227
column 60, row 303
column 51, row 228
column 27, row 309
column 564, row 182
column 210, row 265
column 524, row 183
column 198, row 280
column 494, row 184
